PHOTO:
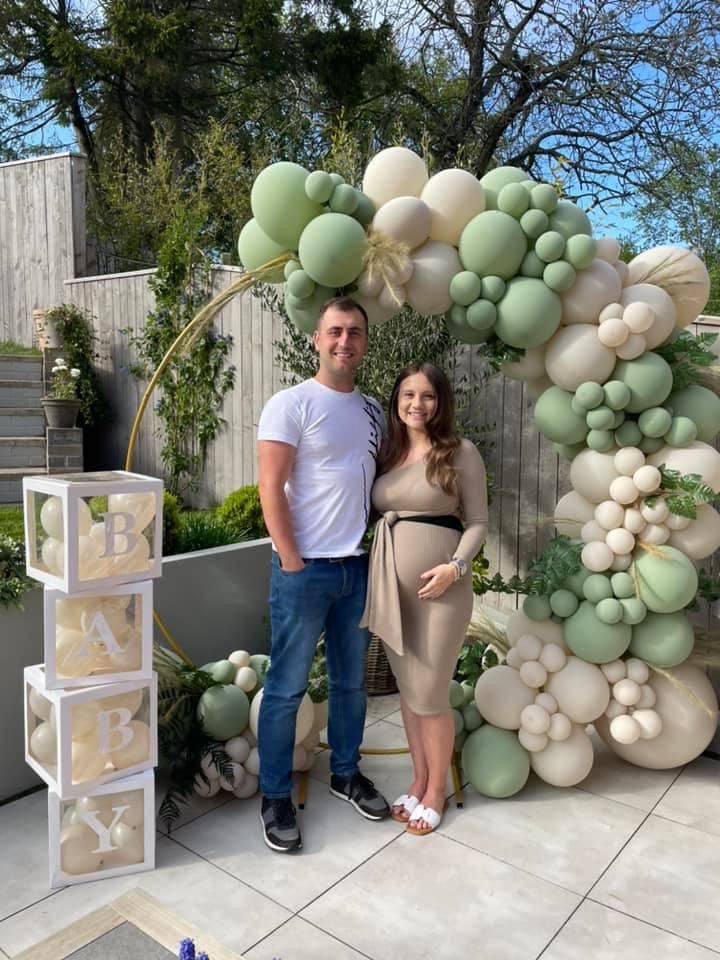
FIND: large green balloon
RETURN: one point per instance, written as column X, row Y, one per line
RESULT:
column 667, row 581
column 665, row 639
column 280, row 205
column 649, row 379
column 568, row 219
column 528, row 314
column 332, row 248
column 493, row 243
column 255, row 248
column 495, row 762
column 593, row 640
column 701, row 405
column 223, row 711
column 495, row 180
column 556, row 418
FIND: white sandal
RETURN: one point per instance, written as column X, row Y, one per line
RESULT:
column 431, row 817
column 408, row 802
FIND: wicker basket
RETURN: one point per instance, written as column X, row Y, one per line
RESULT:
column 379, row 676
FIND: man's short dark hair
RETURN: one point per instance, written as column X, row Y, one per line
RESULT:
column 344, row 305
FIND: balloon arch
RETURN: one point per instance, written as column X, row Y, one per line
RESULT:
column 504, row 257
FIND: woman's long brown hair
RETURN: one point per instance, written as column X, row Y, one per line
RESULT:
column 440, row 427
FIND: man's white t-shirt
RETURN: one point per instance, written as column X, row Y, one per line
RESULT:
column 337, row 437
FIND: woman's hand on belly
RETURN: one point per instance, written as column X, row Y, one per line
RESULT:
column 437, row 580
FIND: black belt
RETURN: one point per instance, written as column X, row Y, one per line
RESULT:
column 444, row 520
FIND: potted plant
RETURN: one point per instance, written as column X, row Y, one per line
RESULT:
column 61, row 405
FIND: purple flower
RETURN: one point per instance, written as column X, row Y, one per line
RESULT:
column 187, row 949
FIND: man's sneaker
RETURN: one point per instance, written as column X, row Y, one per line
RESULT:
column 280, row 829
column 361, row 793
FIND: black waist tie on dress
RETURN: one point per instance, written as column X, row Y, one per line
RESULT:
column 444, row 520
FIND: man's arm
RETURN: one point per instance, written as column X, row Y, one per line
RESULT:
column 275, row 463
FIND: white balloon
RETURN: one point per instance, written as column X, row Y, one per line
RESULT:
column 533, row 742
column 638, row 316
column 207, row 788
column 571, row 512
column 608, row 249
column 231, row 783
column 246, row 679
column 647, row 697
column 614, row 670
column 656, row 533
column 649, row 722
column 592, row 531
column 581, row 690
column 535, row 719
column 43, row 743
column 248, row 788
column 637, row 670
column 252, row 764
column 553, row 658
column 51, row 518
column 678, row 271
column 529, row 646
column 647, row 479
column 596, row 556
column 624, row 729
column 613, row 332
column 395, row 172
column 560, row 727
column 609, row 515
column 454, row 198
column 696, row 457
column 591, row 474
column 620, row 541
column 434, row 266
column 238, row 749
column 633, row 347
column 627, row 692
column 39, row 705
column 615, row 709
column 77, row 845
column 563, row 763
column 701, row 537
column 547, row 701
column 404, row 219
column 629, row 459
column 533, row 673
column 141, row 506
column 575, row 354
column 624, row 490
column 656, row 514
column 593, row 289
column 662, row 306
column 239, row 658
column 501, row 696
column 634, row 520
column 303, row 723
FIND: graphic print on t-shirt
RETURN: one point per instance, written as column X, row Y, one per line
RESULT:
column 375, row 417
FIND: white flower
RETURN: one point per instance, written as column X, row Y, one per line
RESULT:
column 59, row 362
column 74, row 373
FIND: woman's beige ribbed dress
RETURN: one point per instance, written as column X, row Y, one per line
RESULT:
column 423, row 637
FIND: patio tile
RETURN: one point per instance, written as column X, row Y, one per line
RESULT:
column 694, row 798
column 380, row 707
column 667, row 875
column 335, row 841
column 432, row 897
column 185, row 883
column 24, row 844
column 596, row 933
column 197, row 807
column 395, row 718
column 299, row 940
column 617, row 780
column 542, row 829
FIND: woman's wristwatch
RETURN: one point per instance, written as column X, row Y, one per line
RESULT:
column 460, row 565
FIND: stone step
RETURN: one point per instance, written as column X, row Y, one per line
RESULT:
column 22, row 422
column 21, row 393
column 11, row 482
column 22, row 452
column 20, row 368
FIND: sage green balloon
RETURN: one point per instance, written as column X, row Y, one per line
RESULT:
column 481, row 315
column 622, row 585
column 655, row 422
column 664, row 639
column 495, row 762
column 290, row 267
column 628, row 434
column 365, row 210
column 649, row 379
column 580, row 251
column 569, row 450
column 304, row 313
column 682, row 431
column 458, row 721
column 563, row 603
column 528, row 185
column 532, row 265
column 528, row 314
column 344, row 199
column 533, row 223
column 666, row 579
column 301, row 285
column 319, row 186
column 702, row 406
column 600, row 440
column 463, row 331
column 459, row 741
column 260, row 662
column 576, row 582
column 651, row 444
column 513, row 199
column 465, row 287
column 255, row 249
column 597, row 587
column 456, row 694
column 568, row 219
column 601, row 418
column 550, row 246
column 559, row 276
column 468, row 690
column 618, row 419
column 494, row 180
column 617, row 394
column 591, row 639
column 336, row 179
column 222, row 671
column 556, row 419
column 471, row 717
column 493, row 288
column 280, row 205
column 223, row 711
column 589, row 395
column 537, row 607
column 544, row 197
column 332, row 249
column 634, row 610
column 493, row 243
column 609, row 610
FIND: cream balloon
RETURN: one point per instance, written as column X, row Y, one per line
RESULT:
column 206, row 788
column 134, row 815
column 39, row 705
column 246, row 679
column 252, row 764
column 248, row 788
column 593, row 289
column 78, row 844
column 239, row 658
column 137, row 750
column 405, row 220
column 394, row 172
column 303, row 723
column 129, row 843
column 662, row 306
column 608, row 249
column 83, row 719
column 376, row 312
column 687, row 728
column 563, row 763
column 696, row 457
column 530, row 366
column 454, row 198
column 434, row 266
column 74, row 656
column 238, row 749
column 51, row 518
column 43, row 743
column 142, row 506
column 581, row 690
column 571, row 513
column 135, row 561
column 52, row 553
column 591, row 474
column 88, row 763
column 129, row 657
column 547, row 631
column 69, row 611
column 701, row 537
column 501, row 696
column 575, row 355
column 320, row 716
column 678, row 271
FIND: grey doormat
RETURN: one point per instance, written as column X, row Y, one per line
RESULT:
column 136, row 926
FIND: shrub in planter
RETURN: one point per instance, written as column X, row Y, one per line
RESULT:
column 14, row 582
column 201, row 530
column 241, row 512
column 171, row 523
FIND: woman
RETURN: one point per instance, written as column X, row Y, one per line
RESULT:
column 420, row 586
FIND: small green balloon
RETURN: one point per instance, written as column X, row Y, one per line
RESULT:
column 304, row 313
column 550, row 246
column 601, row 418
column 597, row 587
column 493, row 243
column 528, row 314
column 456, row 694
column 493, row 288
column 622, row 585
column 319, row 186
column 568, row 219
column 537, row 607
column 465, row 287
column 300, row 285
column 682, row 432
column 663, row 639
column 544, row 197
column 617, row 394
column 628, row 434
column 650, row 445
column 559, row 276
column 655, row 422
column 336, row 179
column 365, row 210
column 223, row 711
column 290, row 267
column 463, row 331
column 260, row 663
column 513, row 199
column 591, row 639
column 280, row 205
column 494, row 180
column 578, row 408
column 532, row 265
column 255, row 249
column 332, row 249
column 618, row 419
column 344, row 199
column 666, row 579
column 563, row 603
column 471, row 717
column 600, row 440
column 556, row 418
column 700, row 405
column 580, row 251
column 528, row 185
column 481, row 315
column 458, row 721
column 495, row 762
column 534, row 223
column 609, row 610
column 459, row 741
column 649, row 379
column 576, row 582
column 590, row 394
column 634, row 610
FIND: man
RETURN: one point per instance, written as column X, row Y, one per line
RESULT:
column 317, row 446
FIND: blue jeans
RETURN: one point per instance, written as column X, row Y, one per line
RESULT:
column 325, row 595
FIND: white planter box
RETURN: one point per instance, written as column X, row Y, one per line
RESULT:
column 78, row 739
column 99, row 636
column 106, row 833
column 69, row 552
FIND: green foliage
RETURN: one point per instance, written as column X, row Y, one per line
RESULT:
column 318, row 679
column 202, row 530
column 14, row 582
column 496, row 352
column 12, row 523
column 682, row 492
column 687, row 354
column 171, row 523
column 12, row 349
column 708, row 586
column 242, row 514
column 559, row 560
column 74, row 328
column 475, row 658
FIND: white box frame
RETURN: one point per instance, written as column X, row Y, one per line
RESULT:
column 51, row 596
column 60, row 781
column 142, row 781
column 69, row 491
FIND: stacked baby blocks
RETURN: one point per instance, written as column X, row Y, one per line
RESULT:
column 95, row 541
